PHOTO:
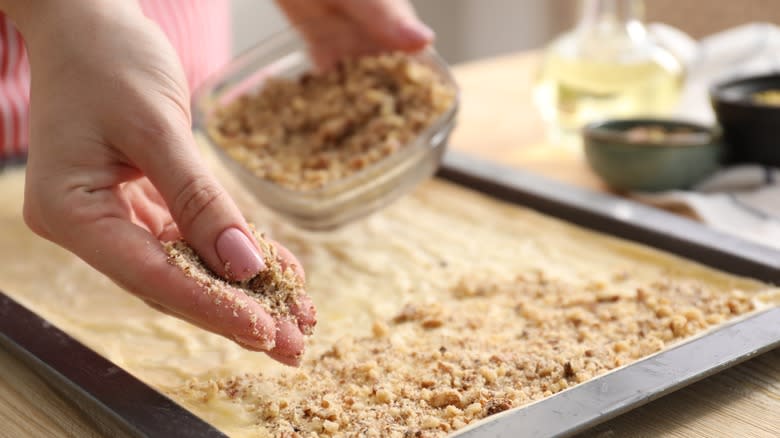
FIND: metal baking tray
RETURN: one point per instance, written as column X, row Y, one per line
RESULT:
column 120, row 404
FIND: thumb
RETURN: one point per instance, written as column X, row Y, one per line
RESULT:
column 206, row 216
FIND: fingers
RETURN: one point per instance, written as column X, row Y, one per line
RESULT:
column 289, row 344
column 136, row 261
column 392, row 23
column 336, row 29
column 95, row 225
column 304, row 310
column 148, row 211
column 139, row 264
column 204, row 213
column 305, row 313
column 288, row 260
column 328, row 32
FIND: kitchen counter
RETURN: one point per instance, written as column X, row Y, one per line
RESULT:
column 497, row 122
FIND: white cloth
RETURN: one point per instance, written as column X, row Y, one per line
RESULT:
column 742, row 200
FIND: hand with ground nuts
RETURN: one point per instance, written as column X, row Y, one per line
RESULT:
column 113, row 168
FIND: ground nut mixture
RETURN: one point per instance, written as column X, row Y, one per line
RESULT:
column 323, row 127
column 277, row 288
column 491, row 346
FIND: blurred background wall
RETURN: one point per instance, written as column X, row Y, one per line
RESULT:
column 472, row 29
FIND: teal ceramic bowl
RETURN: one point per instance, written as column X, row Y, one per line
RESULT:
column 652, row 154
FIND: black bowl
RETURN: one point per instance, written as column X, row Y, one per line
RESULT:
column 751, row 129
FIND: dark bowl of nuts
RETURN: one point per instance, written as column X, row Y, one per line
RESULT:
column 748, row 110
column 652, row 154
column 323, row 148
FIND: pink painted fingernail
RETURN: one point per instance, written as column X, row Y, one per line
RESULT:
column 240, row 256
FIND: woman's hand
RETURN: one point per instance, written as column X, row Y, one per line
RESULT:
column 338, row 28
column 113, row 167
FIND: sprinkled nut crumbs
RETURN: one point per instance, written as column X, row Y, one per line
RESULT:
column 276, row 288
column 302, row 134
column 522, row 341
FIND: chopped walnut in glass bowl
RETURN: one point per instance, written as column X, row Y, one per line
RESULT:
column 325, row 148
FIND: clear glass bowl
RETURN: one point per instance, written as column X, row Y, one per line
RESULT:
column 340, row 201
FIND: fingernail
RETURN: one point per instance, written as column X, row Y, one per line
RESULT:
column 417, row 31
column 240, row 256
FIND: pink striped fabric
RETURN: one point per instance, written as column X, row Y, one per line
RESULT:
column 199, row 30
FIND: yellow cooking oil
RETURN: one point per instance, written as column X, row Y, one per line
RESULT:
column 573, row 92
column 607, row 67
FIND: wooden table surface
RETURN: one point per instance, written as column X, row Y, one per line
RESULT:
column 498, row 122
